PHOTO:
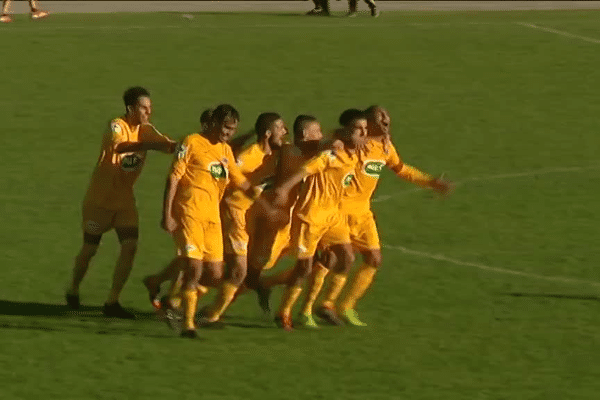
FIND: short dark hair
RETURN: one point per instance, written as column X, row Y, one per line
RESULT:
column 300, row 123
column 351, row 115
column 206, row 116
column 264, row 122
column 133, row 94
column 223, row 112
column 371, row 111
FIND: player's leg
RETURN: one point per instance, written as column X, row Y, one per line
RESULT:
column 5, row 17
column 320, row 269
column 128, row 238
column 365, row 238
column 153, row 282
column 192, row 272
column 373, row 7
column 95, row 222
column 317, row 10
column 36, row 13
column 293, row 290
column 352, row 6
column 326, row 8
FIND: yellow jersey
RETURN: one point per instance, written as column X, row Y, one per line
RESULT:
column 111, row 185
column 204, row 170
column 330, row 173
column 259, row 169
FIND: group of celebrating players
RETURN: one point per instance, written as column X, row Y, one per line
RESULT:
column 234, row 210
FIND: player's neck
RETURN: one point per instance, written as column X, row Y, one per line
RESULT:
column 265, row 147
column 212, row 137
column 131, row 121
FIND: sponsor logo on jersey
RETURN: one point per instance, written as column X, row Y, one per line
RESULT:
column 131, row 161
column 347, row 179
column 115, row 127
column 217, row 170
column 373, row 168
column 180, row 151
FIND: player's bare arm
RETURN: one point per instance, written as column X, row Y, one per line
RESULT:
column 168, row 223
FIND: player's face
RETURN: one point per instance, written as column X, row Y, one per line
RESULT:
column 227, row 129
column 358, row 131
column 278, row 132
column 141, row 112
column 312, row 132
column 380, row 125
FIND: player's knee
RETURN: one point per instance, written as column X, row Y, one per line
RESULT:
column 345, row 259
column 129, row 247
column 373, row 258
column 238, row 275
column 88, row 251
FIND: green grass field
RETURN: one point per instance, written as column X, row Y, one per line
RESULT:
column 507, row 111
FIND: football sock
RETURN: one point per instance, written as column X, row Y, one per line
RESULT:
column 316, row 283
column 360, row 284
column 289, row 298
column 334, row 289
column 190, row 304
column 223, row 300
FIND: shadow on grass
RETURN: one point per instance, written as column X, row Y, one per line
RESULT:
column 8, row 307
column 553, row 296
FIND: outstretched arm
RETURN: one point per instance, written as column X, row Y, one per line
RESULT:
column 150, row 139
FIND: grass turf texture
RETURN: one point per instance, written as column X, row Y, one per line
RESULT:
column 469, row 99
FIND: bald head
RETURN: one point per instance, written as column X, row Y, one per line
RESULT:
column 378, row 121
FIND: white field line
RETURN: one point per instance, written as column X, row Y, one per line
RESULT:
column 561, row 33
column 439, row 257
column 544, row 171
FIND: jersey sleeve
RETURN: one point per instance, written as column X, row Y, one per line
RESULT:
column 393, row 161
column 116, row 133
column 235, row 174
column 319, row 163
column 182, row 157
column 148, row 133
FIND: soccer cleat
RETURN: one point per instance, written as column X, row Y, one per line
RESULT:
column 189, row 333
column 73, row 301
column 153, row 292
column 39, row 14
column 329, row 315
column 173, row 319
column 284, row 322
column 351, row 14
column 5, row 18
column 264, row 298
column 116, row 311
column 351, row 317
column 315, row 11
column 204, row 323
column 307, row 321
column 374, row 12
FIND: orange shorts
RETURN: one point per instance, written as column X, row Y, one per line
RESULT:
column 306, row 237
column 97, row 220
column 235, row 232
column 200, row 240
column 363, row 231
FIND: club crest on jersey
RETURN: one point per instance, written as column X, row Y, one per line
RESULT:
column 373, row 168
column 347, row 179
column 217, row 170
column 115, row 127
column 131, row 162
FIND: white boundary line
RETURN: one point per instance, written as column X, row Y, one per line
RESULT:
column 544, row 171
column 438, row 257
column 561, row 33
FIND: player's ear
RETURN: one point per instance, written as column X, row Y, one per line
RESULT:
column 129, row 109
column 268, row 133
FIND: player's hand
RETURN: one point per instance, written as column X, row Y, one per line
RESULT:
column 169, row 224
column 442, row 186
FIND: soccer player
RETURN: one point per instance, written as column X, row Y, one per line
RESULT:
column 270, row 240
column 356, row 205
column 352, row 5
column 204, row 166
column 110, row 202
column 36, row 13
column 258, row 164
column 316, row 216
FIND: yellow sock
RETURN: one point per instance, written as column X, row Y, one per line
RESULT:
column 334, row 289
column 202, row 290
column 280, row 279
column 316, row 283
column 288, row 300
column 223, row 300
column 360, row 284
column 190, row 304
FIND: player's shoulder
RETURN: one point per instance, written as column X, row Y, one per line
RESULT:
column 117, row 125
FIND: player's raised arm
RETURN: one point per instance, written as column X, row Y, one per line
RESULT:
column 150, row 139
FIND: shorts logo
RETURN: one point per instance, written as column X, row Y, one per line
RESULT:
column 190, row 248
column 92, row 227
column 217, row 170
column 373, row 168
column 268, row 183
column 131, row 161
column 180, row 151
column 347, row 179
column 115, row 127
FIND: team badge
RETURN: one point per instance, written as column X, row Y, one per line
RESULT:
column 347, row 179
column 115, row 127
